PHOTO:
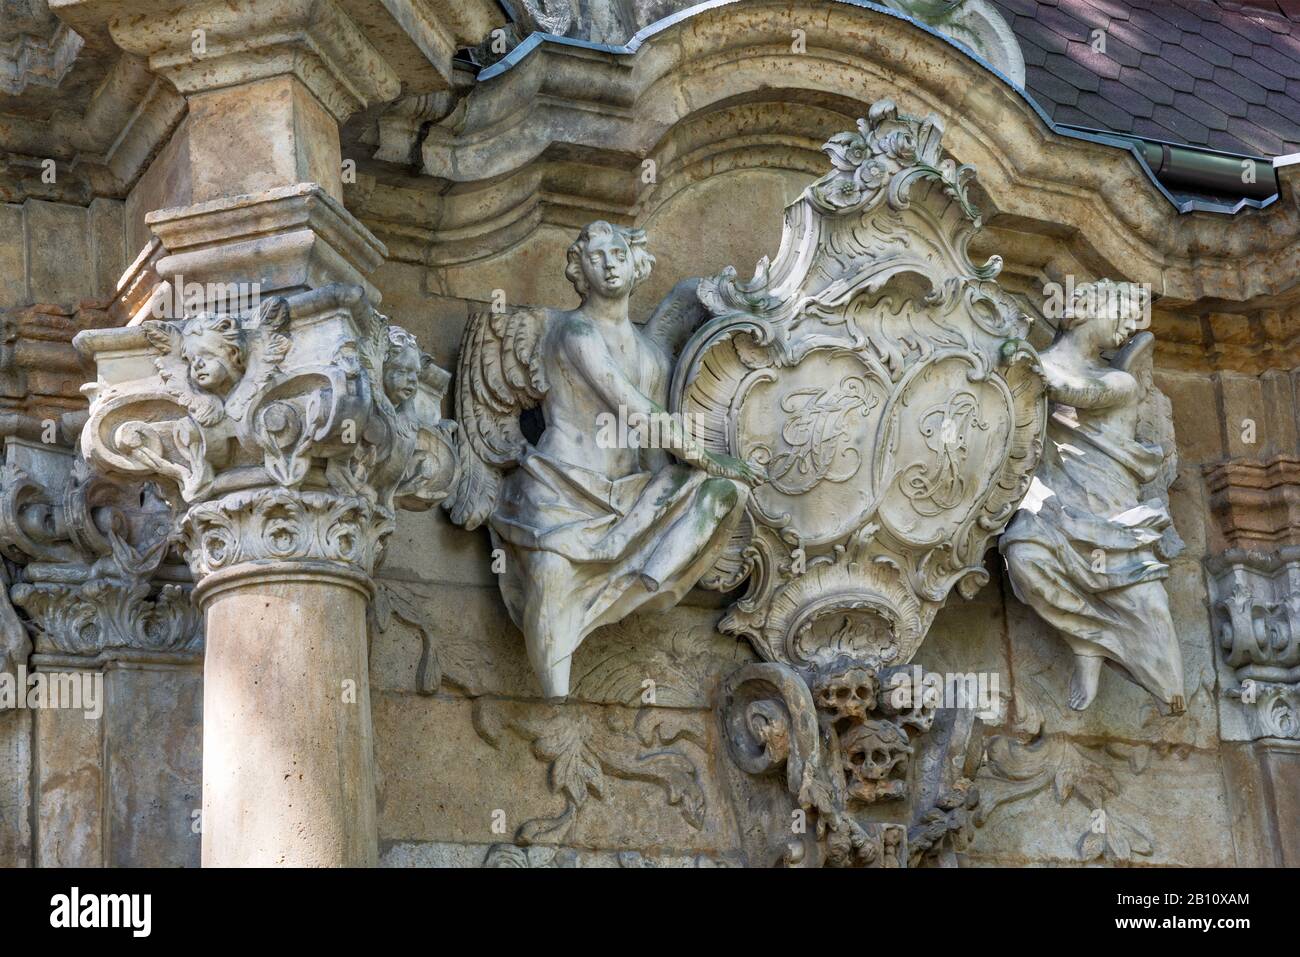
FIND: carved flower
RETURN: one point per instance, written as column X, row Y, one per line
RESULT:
column 846, row 151
column 870, row 175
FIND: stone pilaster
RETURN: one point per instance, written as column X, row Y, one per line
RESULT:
column 283, row 417
column 1254, row 585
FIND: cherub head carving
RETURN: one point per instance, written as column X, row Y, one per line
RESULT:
column 402, row 365
column 1106, row 314
column 215, row 351
column 214, row 365
column 608, row 261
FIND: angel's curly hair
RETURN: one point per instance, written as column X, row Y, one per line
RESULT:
column 399, row 339
column 634, row 239
column 228, row 329
column 1103, row 299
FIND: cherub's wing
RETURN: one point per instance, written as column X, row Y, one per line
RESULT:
column 679, row 315
column 165, row 340
column 268, row 343
column 498, row 376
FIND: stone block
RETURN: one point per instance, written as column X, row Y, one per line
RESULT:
column 153, row 766
column 13, row 257
column 15, row 789
column 69, row 784
column 1199, row 433
column 1073, row 803
column 677, row 655
column 60, row 266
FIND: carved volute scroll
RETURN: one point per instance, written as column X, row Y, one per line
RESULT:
column 882, row 381
column 289, row 434
column 96, row 572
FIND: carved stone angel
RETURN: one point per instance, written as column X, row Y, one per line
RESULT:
column 1084, row 549
column 591, row 530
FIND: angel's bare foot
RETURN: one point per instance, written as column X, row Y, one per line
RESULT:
column 1083, row 684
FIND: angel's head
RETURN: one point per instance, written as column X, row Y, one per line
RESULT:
column 1105, row 313
column 608, row 261
column 215, row 349
column 402, row 366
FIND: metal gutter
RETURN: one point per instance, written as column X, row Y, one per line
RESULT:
column 1178, row 165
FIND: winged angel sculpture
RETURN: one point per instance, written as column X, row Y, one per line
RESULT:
column 1085, row 548
column 592, row 529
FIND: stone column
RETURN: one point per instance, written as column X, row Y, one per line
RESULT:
column 286, row 434
column 288, row 437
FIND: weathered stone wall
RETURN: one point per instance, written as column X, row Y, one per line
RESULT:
column 478, row 204
column 1149, row 774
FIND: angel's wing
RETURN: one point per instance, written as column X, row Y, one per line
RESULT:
column 679, row 315
column 165, row 340
column 268, row 343
column 498, row 376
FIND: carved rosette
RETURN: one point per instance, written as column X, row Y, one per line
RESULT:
column 289, row 434
column 882, row 382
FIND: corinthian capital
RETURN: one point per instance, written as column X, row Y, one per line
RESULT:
column 289, row 432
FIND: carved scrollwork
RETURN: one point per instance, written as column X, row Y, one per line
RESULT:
column 1255, row 606
column 882, row 381
column 291, row 433
column 90, row 555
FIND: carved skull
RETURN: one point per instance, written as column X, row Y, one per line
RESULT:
column 872, row 752
column 847, row 693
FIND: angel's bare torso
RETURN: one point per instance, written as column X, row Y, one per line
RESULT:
column 593, row 367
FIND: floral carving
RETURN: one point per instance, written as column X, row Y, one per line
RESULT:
column 581, row 749
column 1019, row 769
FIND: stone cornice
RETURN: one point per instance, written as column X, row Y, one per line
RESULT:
column 102, row 146
column 35, row 48
column 1257, row 504
column 245, row 40
column 350, row 53
column 598, row 115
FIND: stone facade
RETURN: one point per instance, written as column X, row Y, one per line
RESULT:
column 397, row 464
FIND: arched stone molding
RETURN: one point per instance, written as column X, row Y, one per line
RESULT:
column 563, row 114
